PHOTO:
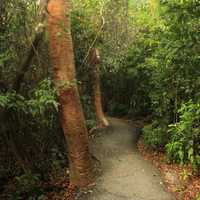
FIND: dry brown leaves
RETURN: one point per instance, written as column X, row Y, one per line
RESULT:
column 59, row 188
column 179, row 180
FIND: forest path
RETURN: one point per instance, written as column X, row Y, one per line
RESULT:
column 125, row 174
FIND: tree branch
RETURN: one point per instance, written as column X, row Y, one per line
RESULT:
column 26, row 63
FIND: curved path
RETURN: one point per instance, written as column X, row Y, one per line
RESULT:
column 125, row 174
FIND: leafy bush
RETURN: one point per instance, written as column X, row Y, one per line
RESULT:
column 41, row 98
column 184, row 145
column 27, row 187
column 32, row 121
column 27, row 182
column 175, row 77
column 155, row 135
column 198, row 196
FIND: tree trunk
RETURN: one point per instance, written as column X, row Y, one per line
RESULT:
column 73, row 121
column 102, row 121
column 97, row 97
column 126, row 16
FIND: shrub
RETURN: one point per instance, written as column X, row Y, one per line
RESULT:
column 155, row 135
column 198, row 196
column 184, row 146
column 27, row 187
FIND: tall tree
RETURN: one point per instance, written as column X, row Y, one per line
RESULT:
column 97, row 96
column 73, row 121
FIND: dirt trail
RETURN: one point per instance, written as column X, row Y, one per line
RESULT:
column 125, row 174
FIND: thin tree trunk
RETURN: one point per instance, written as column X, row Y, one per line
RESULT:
column 97, row 96
column 102, row 121
column 73, row 121
column 126, row 17
column 27, row 61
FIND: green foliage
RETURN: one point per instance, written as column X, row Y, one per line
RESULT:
column 18, row 19
column 166, row 49
column 84, row 34
column 175, row 79
column 35, row 120
column 156, row 135
column 149, row 66
column 184, row 145
column 88, row 108
column 198, row 196
column 43, row 97
column 28, row 183
column 175, row 76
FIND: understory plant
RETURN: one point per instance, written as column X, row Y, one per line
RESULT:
column 156, row 135
column 184, row 145
column 31, row 120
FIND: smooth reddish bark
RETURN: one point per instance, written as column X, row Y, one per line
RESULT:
column 73, row 121
column 97, row 96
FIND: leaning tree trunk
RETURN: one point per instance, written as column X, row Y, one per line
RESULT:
column 73, row 121
column 102, row 121
column 97, row 96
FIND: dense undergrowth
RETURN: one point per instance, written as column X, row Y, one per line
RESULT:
column 175, row 81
